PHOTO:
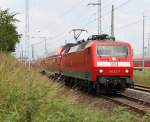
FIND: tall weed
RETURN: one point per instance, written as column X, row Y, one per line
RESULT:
column 27, row 96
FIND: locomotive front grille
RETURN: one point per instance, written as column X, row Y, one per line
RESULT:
column 114, row 80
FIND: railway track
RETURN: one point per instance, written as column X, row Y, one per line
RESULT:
column 137, row 105
column 142, row 88
column 133, row 104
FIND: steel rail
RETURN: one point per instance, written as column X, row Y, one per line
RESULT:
column 142, row 88
column 148, row 87
column 135, row 105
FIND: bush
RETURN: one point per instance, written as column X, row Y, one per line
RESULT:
column 27, row 96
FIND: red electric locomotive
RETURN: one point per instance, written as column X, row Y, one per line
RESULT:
column 99, row 63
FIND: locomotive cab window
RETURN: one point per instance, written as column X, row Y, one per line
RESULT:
column 112, row 51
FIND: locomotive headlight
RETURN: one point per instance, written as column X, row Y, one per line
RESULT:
column 101, row 71
column 127, row 71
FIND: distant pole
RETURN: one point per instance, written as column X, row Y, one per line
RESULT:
column 46, row 52
column 27, row 35
column 99, row 4
column 99, row 17
column 22, row 54
column 143, row 43
column 112, row 22
column 145, row 51
column 148, row 44
column 32, row 51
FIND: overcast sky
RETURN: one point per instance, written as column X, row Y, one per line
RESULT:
column 54, row 19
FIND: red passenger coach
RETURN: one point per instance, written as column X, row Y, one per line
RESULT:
column 100, row 64
column 52, row 63
column 138, row 63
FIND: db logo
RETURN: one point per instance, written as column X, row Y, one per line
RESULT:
column 114, row 59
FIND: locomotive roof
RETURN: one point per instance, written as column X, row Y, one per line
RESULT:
column 94, row 39
column 72, row 47
column 102, row 37
column 77, row 47
column 89, row 42
column 69, row 45
column 106, row 42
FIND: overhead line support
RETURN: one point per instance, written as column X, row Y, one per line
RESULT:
column 99, row 4
column 143, row 62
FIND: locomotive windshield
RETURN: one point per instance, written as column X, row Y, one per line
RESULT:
column 112, row 51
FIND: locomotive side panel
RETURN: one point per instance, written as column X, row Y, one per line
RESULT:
column 138, row 63
column 76, row 65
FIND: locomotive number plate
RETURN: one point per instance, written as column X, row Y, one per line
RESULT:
column 114, row 71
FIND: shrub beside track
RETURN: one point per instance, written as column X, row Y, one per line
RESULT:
column 27, row 96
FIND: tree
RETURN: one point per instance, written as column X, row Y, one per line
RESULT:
column 9, row 36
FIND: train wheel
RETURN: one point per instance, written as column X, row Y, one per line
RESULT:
column 91, row 88
column 100, row 89
column 72, row 82
column 66, row 80
column 82, row 85
column 97, row 88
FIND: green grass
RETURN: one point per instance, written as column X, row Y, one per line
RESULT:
column 142, row 77
column 27, row 96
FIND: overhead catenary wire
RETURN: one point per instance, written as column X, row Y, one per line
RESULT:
column 66, row 13
column 72, row 9
column 88, row 23
column 133, row 23
column 63, row 34
column 123, row 4
column 76, row 6
column 118, row 7
column 146, row 11
column 94, row 13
